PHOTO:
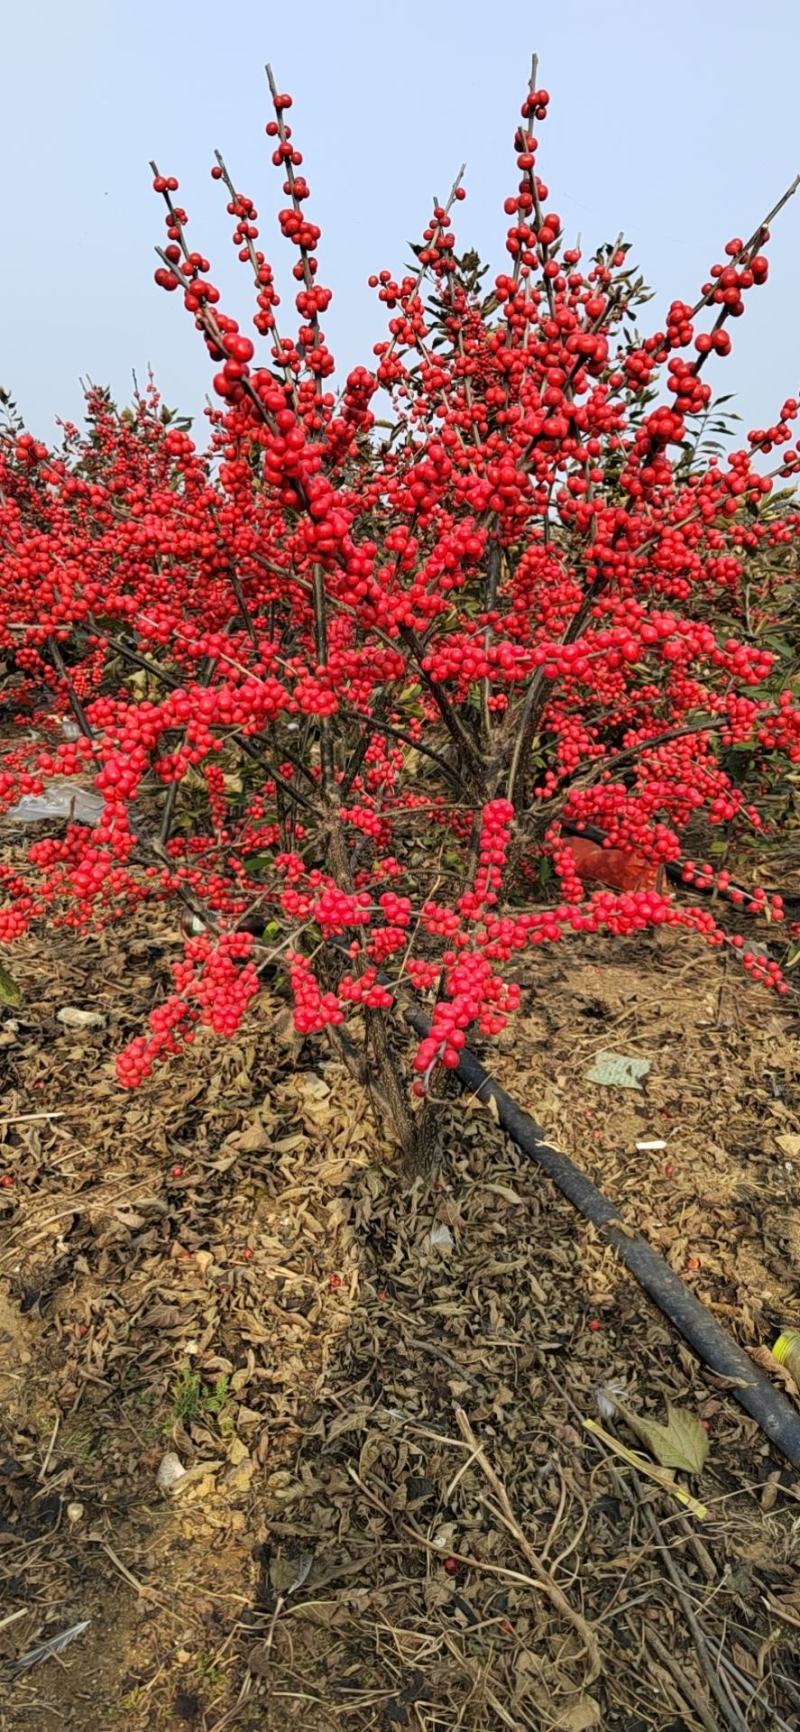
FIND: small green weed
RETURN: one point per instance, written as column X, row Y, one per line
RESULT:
column 194, row 1399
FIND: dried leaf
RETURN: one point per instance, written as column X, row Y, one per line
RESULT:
column 353, row 1421
column 255, row 1138
column 788, row 1142
column 681, row 1443
column 581, row 1714
column 287, row 1574
column 9, row 991
column 767, row 1361
column 504, row 1191
column 259, row 1660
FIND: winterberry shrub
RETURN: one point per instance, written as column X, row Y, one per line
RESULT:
column 353, row 681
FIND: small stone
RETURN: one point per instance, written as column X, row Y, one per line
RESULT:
column 170, row 1470
column 75, row 1512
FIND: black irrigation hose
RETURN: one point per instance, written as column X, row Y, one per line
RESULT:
column 751, row 1388
column 674, row 870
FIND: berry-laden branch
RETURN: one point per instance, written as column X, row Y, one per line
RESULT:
column 397, row 675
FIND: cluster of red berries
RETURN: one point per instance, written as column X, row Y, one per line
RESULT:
column 474, row 994
column 215, row 984
column 380, row 685
column 313, row 1009
column 495, row 834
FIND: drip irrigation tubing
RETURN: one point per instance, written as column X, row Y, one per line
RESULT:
column 772, row 1411
column 675, row 872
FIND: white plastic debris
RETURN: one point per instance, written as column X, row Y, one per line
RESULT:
column 607, row 1397
column 56, row 1645
column 440, row 1238
column 651, row 1143
column 618, row 1070
column 59, row 800
column 72, row 1017
column 444, row 1537
column 170, row 1470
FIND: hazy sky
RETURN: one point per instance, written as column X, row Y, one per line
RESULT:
column 676, row 123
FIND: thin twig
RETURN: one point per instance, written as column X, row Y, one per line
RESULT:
column 50, row 1447
column 679, row 1678
column 72, row 697
column 554, row 1593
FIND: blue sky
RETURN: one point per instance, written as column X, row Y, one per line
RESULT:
column 678, row 125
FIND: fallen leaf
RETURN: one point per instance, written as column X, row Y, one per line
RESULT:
column 254, row 1138
column 504, row 1191
column 681, row 1443
column 238, row 1478
column 581, row 1714
column 9, row 991
column 788, row 1142
column 259, row 1660
column 286, row 1574
column 618, row 1070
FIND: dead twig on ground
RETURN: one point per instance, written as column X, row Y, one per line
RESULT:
column 550, row 1587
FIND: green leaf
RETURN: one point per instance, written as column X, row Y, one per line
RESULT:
column 258, row 865
column 9, row 991
column 681, row 1443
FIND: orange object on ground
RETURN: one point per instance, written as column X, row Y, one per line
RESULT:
column 611, row 866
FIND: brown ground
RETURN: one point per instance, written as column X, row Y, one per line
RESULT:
column 226, row 1264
